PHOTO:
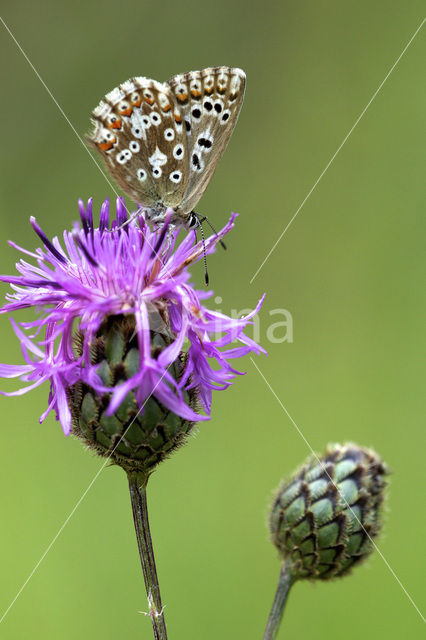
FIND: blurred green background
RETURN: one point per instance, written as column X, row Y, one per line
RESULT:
column 349, row 270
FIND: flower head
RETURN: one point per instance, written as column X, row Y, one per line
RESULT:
column 324, row 519
column 138, row 278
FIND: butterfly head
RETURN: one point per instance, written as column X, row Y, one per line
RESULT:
column 156, row 215
column 192, row 221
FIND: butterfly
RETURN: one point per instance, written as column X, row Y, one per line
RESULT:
column 161, row 142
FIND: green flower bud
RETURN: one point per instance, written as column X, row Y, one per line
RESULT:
column 324, row 519
column 135, row 439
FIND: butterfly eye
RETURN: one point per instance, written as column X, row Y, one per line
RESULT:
column 193, row 221
column 218, row 106
column 141, row 175
column 123, row 106
column 135, row 98
column 176, row 176
column 146, row 122
column 196, row 113
column 156, row 172
column 208, row 105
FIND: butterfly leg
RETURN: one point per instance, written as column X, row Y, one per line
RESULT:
column 202, row 219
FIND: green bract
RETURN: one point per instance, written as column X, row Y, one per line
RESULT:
column 135, row 439
column 324, row 519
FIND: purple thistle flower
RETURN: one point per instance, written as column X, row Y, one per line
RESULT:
column 98, row 273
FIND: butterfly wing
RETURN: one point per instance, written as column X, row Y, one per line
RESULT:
column 139, row 132
column 210, row 101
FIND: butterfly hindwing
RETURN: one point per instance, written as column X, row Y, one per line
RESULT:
column 139, row 131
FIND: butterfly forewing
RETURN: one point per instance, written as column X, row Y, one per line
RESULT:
column 140, row 133
column 210, row 101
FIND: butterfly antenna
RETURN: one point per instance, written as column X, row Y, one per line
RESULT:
column 205, row 219
column 206, row 273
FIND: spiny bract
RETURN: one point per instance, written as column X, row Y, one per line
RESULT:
column 324, row 519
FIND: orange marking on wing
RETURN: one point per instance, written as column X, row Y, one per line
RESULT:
column 137, row 103
column 182, row 97
column 105, row 146
column 178, row 119
column 115, row 125
column 150, row 101
column 195, row 93
column 208, row 90
column 167, row 108
column 127, row 112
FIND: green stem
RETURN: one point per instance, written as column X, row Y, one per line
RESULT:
column 137, row 486
column 284, row 583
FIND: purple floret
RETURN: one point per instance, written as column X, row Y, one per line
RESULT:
column 100, row 272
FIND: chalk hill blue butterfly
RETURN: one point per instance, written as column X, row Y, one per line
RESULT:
column 161, row 142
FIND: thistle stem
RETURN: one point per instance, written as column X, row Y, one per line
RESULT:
column 284, row 583
column 137, row 486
